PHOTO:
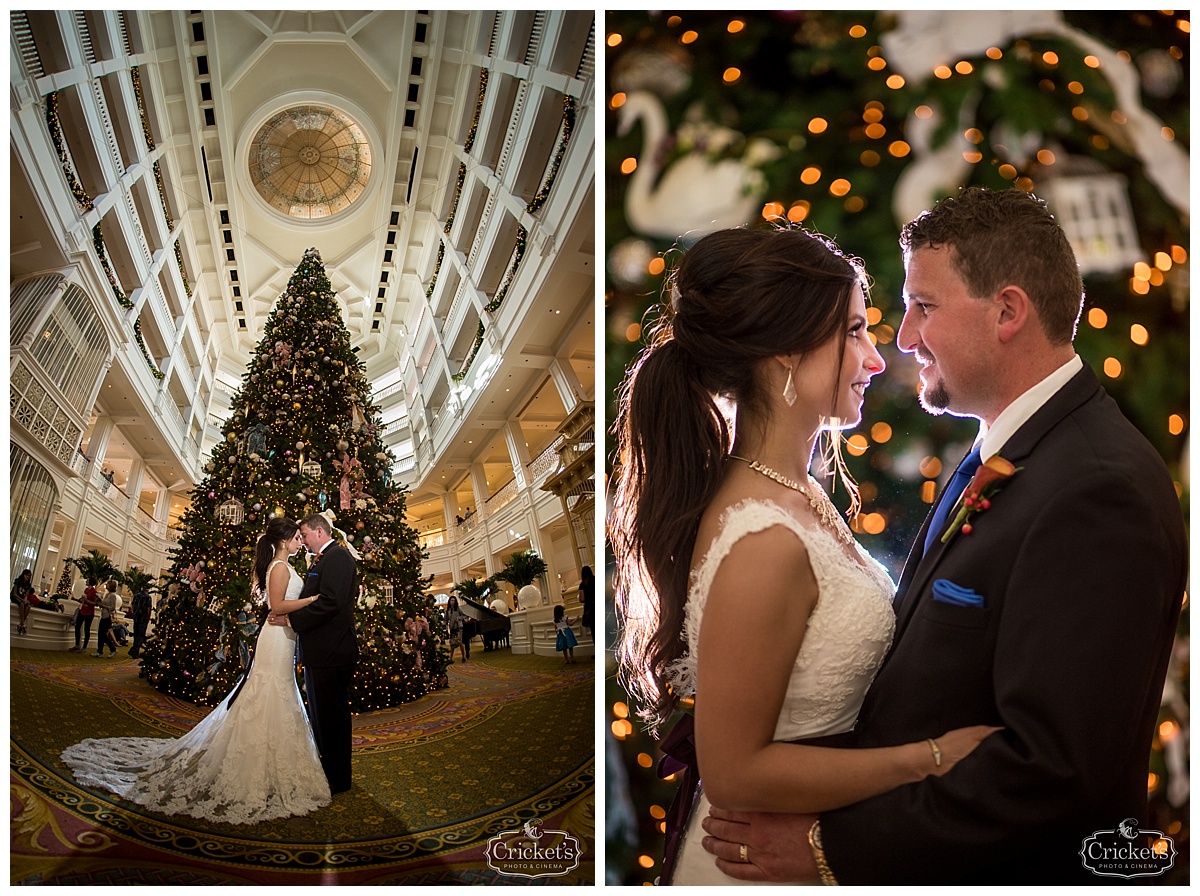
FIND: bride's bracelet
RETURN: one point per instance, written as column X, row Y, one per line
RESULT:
column 818, row 850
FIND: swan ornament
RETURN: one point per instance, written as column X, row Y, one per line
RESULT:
column 695, row 195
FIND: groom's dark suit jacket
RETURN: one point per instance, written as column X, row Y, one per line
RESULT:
column 1081, row 560
column 326, row 627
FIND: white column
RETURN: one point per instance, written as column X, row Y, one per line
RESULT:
column 570, row 389
column 98, row 443
column 162, row 506
column 479, row 486
column 450, row 509
column 137, row 476
column 518, row 451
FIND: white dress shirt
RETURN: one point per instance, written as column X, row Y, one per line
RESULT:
column 1018, row 413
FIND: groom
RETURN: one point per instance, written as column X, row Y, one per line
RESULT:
column 328, row 648
column 1051, row 614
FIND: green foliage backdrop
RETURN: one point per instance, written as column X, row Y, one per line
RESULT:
column 831, row 130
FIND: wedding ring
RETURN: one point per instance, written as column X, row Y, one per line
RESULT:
column 743, row 856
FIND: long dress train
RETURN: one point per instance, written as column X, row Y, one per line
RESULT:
column 253, row 761
column 848, row 633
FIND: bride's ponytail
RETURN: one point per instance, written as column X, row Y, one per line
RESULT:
column 279, row 529
column 738, row 298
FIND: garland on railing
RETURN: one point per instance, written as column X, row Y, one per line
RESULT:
column 458, row 188
column 187, row 286
column 137, row 332
column 494, row 305
column 467, row 145
column 436, row 270
column 64, row 157
column 568, row 127
column 122, row 299
column 102, row 253
column 136, row 76
column 475, row 346
column 518, row 253
column 483, row 80
column 162, row 197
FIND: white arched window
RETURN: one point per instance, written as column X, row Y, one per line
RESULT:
column 70, row 346
column 33, row 497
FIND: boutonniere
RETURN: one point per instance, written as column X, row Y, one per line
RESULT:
column 976, row 497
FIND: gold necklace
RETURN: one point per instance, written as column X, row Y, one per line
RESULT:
column 826, row 513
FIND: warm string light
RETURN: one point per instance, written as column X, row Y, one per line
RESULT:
column 875, row 129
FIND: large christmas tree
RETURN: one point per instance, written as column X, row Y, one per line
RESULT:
column 302, row 438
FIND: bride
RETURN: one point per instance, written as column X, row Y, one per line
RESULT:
column 252, row 758
column 773, row 618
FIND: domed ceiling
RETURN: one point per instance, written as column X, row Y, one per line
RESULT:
column 310, row 161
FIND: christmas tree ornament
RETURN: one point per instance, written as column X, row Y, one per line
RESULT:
column 695, row 194
column 629, row 262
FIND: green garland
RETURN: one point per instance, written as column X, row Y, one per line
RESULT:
column 137, row 333
column 64, row 158
column 136, row 76
column 475, row 346
column 102, row 252
column 162, row 197
column 568, row 128
column 494, row 305
column 122, row 299
column 467, row 145
column 483, row 80
column 458, row 188
column 187, row 286
column 436, row 270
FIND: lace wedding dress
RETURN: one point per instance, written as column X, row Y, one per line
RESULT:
column 253, row 761
column 848, row 633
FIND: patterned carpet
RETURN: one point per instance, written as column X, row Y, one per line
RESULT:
column 509, row 743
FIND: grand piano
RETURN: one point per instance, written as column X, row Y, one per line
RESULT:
column 482, row 620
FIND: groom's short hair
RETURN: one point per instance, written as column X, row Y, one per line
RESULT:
column 1002, row 237
column 317, row 521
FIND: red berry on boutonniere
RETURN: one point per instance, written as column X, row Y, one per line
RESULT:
column 976, row 496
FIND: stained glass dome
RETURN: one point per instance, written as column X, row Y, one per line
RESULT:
column 310, row 161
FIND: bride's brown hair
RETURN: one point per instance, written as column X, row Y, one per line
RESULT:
column 279, row 529
column 738, row 297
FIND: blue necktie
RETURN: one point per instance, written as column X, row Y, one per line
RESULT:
column 959, row 481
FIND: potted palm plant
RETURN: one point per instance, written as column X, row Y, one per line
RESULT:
column 95, row 565
column 136, row 579
column 521, row 571
column 475, row 590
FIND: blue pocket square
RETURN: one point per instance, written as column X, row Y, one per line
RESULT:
column 948, row 593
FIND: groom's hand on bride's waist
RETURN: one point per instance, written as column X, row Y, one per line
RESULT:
column 776, row 845
column 281, row 619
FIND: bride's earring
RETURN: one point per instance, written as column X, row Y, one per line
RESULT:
column 789, row 390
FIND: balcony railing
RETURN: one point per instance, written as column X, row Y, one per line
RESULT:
column 503, row 497
column 79, row 463
column 545, row 463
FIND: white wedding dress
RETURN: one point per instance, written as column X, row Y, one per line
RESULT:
column 848, row 633
column 253, row 761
